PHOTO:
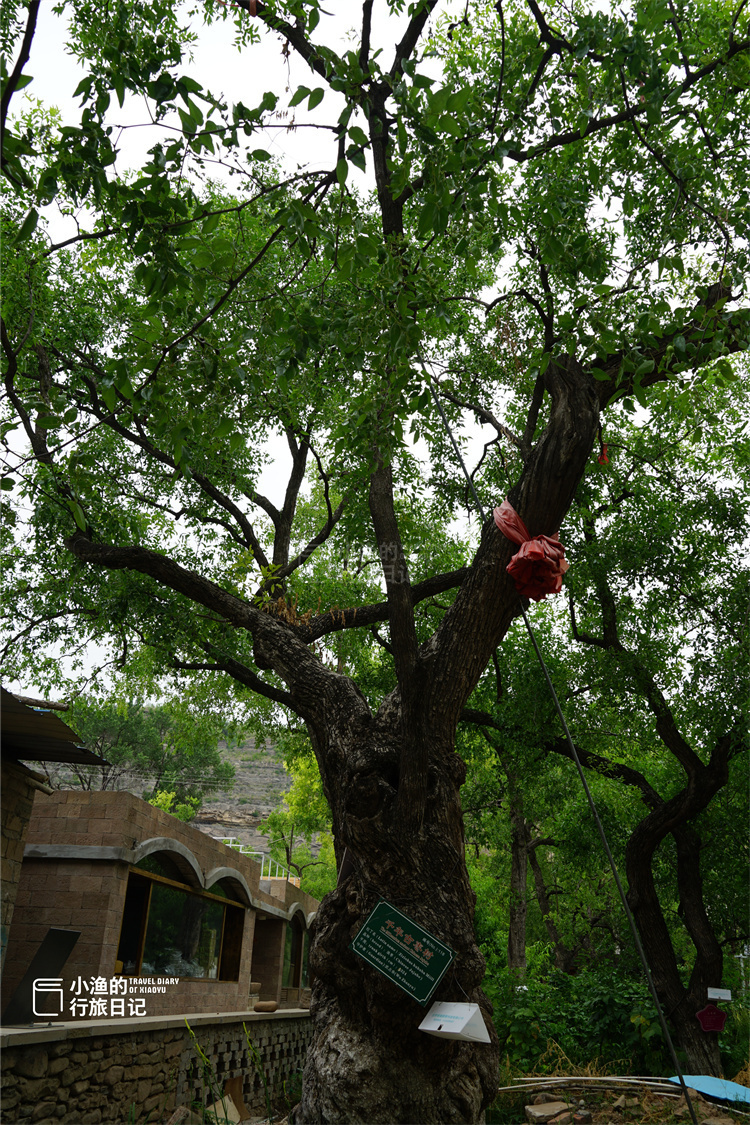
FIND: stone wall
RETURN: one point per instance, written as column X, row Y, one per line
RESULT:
column 18, row 788
column 120, row 1072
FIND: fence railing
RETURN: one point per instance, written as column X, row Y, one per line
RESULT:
column 269, row 868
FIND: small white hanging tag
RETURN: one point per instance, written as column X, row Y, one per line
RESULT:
column 456, row 1021
column 719, row 993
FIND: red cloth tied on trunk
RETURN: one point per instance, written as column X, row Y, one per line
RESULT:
column 537, row 568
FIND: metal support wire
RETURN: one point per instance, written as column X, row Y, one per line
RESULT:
column 579, row 767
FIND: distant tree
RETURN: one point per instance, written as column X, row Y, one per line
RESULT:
column 304, row 819
column 166, row 799
column 170, row 750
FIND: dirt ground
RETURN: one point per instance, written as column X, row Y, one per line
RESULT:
column 583, row 1105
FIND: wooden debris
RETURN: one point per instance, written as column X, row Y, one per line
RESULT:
column 547, row 1112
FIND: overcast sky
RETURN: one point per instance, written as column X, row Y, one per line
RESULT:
column 240, row 75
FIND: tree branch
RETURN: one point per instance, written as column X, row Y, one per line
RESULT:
column 294, row 35
column 485, row 416
column 411, row 37
column 275, row 643
column 23, row 58
column 487, row 601
column 358, row 617
column 237, row 671
column 607, row 768
column 140, row 439
column 735, row 327
column 364, row 50
column 315, row 542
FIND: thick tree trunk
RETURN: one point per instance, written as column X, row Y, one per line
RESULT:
column 680, row 1003
column 673, row 818
column 368, row 1061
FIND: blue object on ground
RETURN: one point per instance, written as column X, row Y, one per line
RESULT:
column 716, row 1088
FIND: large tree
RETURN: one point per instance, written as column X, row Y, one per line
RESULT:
column 556, row 222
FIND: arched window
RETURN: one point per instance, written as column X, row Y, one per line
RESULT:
column 172, row 930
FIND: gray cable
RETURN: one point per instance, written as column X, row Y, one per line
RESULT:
column 579, row 767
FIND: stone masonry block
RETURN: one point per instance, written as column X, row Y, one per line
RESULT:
column 32, row 1062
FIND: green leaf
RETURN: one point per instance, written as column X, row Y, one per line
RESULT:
column 109, row 396
column 78, row 515
column 28, row 226
column 449, row 124
column 316, row 97
column 299, row 95
column 83, row 88
column 358, row 135
column 457, row 102
column 342, row 171
column 357, row 157
column 427, row 218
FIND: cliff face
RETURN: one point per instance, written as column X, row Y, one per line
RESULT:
column 259, row 787
column 260, row 784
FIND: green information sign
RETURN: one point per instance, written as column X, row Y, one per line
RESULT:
column 402, row 951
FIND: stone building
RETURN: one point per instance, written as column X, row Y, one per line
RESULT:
column 176, row 921
column 31, row 732
column 173, row 939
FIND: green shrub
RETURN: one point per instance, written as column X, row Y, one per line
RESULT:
column 598, row 1014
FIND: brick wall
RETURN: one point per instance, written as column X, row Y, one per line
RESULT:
column 124, row 1071
column 19, row 786
column 75, row 895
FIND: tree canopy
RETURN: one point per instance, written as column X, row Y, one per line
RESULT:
column 550, row 230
